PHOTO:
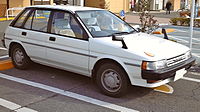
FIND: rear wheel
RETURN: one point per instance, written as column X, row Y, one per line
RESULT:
column 112, row 80
column 19, row 57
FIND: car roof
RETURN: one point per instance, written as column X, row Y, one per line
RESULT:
column 65, row 7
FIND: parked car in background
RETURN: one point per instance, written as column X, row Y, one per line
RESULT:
column 95, row 43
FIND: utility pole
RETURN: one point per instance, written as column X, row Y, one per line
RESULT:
column 8, row 3
column 191, row 23
column 31, row 2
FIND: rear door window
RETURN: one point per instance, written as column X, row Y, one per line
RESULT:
column 40, row 20
column 28, row 24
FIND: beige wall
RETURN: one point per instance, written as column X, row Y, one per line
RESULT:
column 176, row 4
column 3, row 2
column 118, row 6
column 3, row 7
column 19, row 3
column 113, row 5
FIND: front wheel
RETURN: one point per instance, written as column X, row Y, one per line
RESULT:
column 112, row 80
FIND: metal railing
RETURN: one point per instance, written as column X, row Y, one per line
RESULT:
column 10, row 12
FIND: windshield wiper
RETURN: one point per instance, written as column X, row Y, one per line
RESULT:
column 119, row 33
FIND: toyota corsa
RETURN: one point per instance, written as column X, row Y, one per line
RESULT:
column 95, row 43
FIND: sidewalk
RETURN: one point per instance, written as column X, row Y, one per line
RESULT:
column 134, row 19
column 161, row 17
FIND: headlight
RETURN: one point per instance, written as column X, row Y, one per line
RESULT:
column 154, row 65
column 188, row 55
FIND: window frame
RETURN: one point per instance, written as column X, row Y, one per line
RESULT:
column 18, row 17
column 85, row 35
column 102, row 10
column 33, row 11
column 49, row 25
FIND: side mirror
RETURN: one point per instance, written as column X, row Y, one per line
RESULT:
column 120, row 38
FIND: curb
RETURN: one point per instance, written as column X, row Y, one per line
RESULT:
column 6, row 64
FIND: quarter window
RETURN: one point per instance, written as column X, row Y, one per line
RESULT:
column 64, row 24
column 21, row 19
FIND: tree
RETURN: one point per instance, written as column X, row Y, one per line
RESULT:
column 8, row 4
column 148, row 23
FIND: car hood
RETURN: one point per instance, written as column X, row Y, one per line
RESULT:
column 149, row 44
column 141, row 44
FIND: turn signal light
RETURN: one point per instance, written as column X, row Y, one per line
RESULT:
column 144, row 65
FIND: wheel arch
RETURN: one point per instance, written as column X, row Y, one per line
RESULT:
column 12, row 44
column 102, row 60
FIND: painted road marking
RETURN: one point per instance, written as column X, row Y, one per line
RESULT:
column 196, row 55
column 195, row 49
column 178, row 38
column 14, row 107
column 164, row 89
column 181, row 30
column 194, row 73
column 2, row 57
column 160, row 31
column 1, row 48
column 191, row 79
column 69, row 94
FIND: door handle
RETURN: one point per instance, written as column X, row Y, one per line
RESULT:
column 24, row 33
column 52, row 38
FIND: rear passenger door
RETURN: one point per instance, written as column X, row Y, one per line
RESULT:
column 68, row 44
column 30, row 28
column 35, row 34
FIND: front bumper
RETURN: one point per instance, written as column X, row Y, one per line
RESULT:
column 167, row 72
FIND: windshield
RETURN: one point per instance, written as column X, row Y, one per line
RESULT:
column 102, row 23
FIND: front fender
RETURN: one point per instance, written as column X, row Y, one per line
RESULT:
column 93, row 62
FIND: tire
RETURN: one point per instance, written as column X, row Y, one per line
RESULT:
column 19, row 57
column 112, row 72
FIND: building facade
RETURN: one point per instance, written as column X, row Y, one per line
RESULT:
column 176, row 4
column 6, row 4
column 113, row 5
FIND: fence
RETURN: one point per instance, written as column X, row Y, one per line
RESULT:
column 11, row 12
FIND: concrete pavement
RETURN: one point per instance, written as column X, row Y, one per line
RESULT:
column 162, row 17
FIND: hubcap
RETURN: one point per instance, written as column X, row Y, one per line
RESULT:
column 111, row 80
column 18, row 57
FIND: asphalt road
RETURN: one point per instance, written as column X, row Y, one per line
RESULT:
column 46, row 89
column 186, row 95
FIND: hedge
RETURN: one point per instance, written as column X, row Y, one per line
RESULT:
column 182, row 21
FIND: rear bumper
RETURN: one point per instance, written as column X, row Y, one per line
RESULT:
column 166, row 72
column 3, row 41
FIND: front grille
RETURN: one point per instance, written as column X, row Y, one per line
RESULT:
column 176, row 60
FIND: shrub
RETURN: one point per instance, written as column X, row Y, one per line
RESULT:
column 184, row 21
column 173, row 21
column 197, row 22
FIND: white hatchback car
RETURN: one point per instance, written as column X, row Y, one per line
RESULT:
column 95, row 43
